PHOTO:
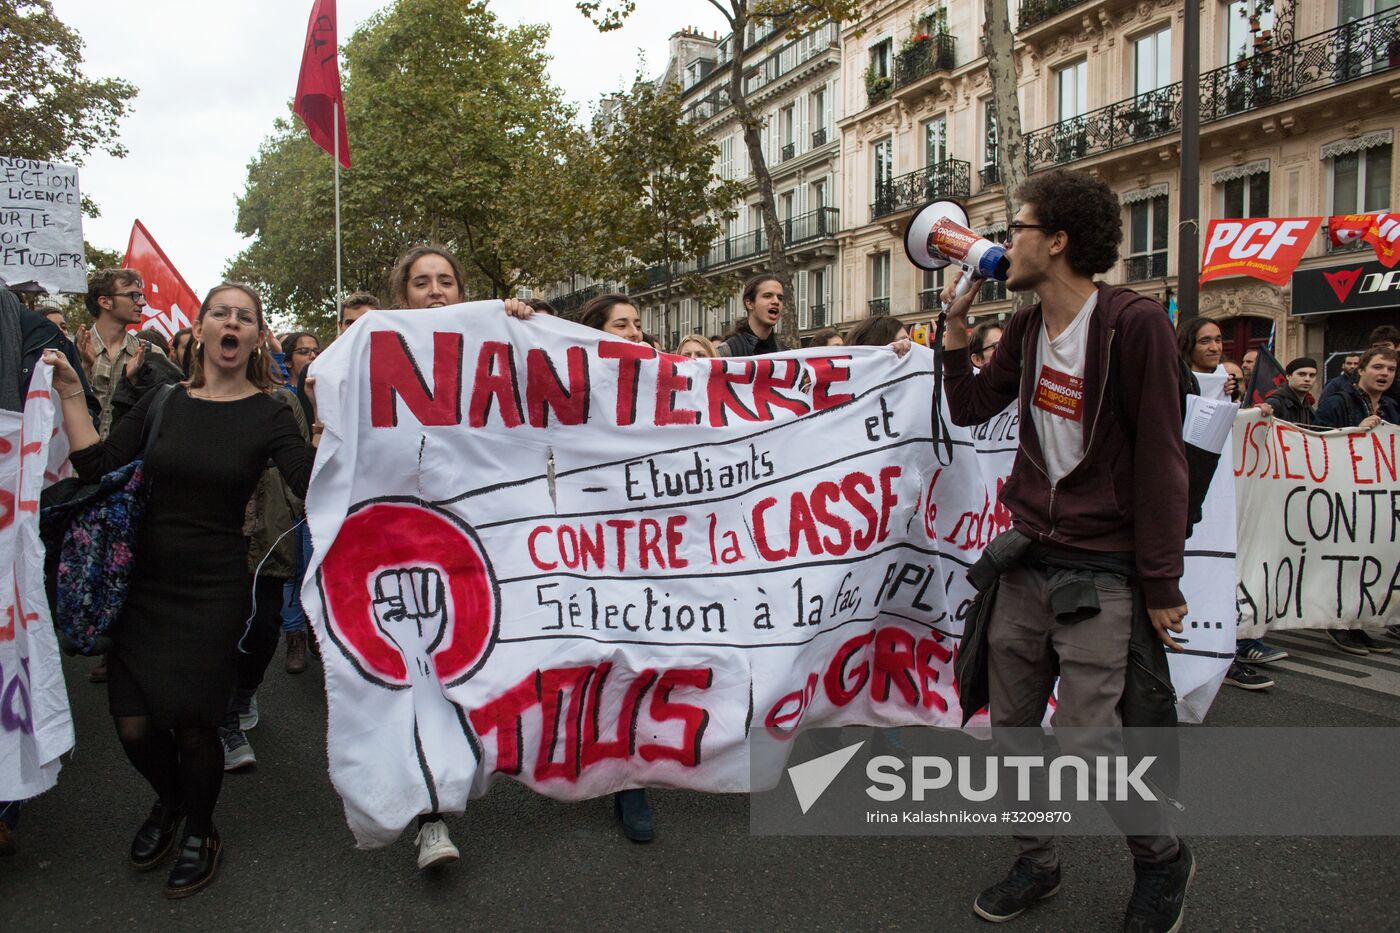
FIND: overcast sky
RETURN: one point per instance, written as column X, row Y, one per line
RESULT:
column 214, row 75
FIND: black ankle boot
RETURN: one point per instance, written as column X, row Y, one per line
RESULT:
column 156, row 837
column 195, row 864
column 634, row 812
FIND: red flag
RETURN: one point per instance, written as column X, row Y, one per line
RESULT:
column 1266, row 248
column 170, row 302
column 1384, row 236
column 318, row 101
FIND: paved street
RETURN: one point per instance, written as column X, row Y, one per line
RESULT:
column 533, row 863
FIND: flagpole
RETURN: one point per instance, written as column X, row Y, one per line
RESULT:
column 335, row 136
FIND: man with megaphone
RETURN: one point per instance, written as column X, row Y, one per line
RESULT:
column 1098, row 493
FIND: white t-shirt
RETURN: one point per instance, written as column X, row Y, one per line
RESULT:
column 1057, row 399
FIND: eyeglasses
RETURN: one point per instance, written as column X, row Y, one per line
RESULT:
column 307, row 351
column 1011, row 228
column 135, row 295
column 988, row 348
column 222, row 313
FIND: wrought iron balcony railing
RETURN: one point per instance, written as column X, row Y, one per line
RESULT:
column 575, row 300
column 929, row 301
column 992, row 290
column 989, row 175
column 789, row 151
column 813, row 225
column 816, row 316
column 1346, row 53
column 1034, row 12
column 819, row 137
column 800, row 50
column 1148, row 266
column 822, row 223
column 878, row 306
column 936, row 53
column 1134, row 120
column 951, row 178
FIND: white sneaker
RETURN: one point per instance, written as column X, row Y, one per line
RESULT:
column 434, row 846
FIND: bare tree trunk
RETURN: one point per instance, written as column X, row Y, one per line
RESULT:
column 777, row 246
column 998, row 43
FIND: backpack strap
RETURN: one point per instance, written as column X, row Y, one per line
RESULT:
column 153, row 417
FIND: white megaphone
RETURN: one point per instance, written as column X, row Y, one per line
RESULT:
column 938, row 236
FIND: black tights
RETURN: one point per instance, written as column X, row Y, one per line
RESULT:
column 185, row 766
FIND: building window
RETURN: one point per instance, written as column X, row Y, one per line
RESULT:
column 932, row 285
column 787, row 127
column 1152, row 61
column 818, row 195
column 936, row 141
column 726, row 157
column 1147, row 239
column 879, row 283
column 1239, row 36
column 884, row 166
column 881, row 54
column 818, row 115
column 1361, row 181
column 1072, row 90
column 1247, row 197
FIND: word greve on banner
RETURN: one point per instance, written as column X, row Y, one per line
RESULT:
column 41, row 226
column 35, row 724
column 1319, row 525
column 575, row 562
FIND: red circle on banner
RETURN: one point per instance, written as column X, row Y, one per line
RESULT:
column 389, row 534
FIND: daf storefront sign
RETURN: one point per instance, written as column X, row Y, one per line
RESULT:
column 1352, row 286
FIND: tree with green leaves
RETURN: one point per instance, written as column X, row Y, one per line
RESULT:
column 458, row 137
column 659, row 173
column 795, row 18
column 48, row 108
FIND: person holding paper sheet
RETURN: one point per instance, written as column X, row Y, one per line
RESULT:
column 1202, row 347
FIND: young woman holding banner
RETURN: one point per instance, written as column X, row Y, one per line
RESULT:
column 171, row 672
column 616, row 316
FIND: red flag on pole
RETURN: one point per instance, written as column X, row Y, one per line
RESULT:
column 318, row 101
column 170, row 302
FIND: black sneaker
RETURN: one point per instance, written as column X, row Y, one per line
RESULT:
column 1247, row 678
column 1363, row 639
column 1346, row 640
column 1023, row 886
column 1159, row 894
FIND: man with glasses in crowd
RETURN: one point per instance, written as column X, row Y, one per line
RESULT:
column 110, row 351
column 1099, row 500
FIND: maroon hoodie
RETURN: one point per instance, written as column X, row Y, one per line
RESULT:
column 1129, row 493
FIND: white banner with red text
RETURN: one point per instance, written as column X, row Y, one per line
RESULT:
column 572, row 561
column 1319, row 526
column 35, row 724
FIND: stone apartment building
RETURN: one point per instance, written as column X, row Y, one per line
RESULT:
column 793, row 82
column 1299, row 108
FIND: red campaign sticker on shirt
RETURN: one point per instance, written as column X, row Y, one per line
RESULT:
column 1059, row 394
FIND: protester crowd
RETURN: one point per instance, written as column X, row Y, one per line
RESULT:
column 223, row 416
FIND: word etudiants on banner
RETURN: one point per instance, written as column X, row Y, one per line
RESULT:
column 1270, row 248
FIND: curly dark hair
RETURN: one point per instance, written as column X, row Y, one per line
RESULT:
column 1086, row 209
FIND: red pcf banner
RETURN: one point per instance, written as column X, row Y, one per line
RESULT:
column 1381, row 230
column 1384, row 237
column 170, row 302
column 1267, row 248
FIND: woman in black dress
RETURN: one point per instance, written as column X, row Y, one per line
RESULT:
column 172, row 669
